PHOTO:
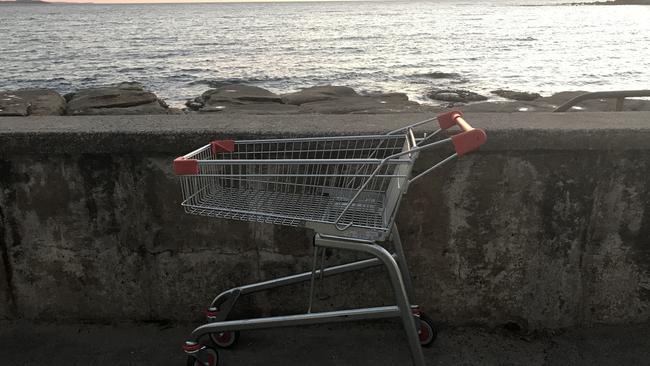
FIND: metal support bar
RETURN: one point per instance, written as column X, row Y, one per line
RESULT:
column 294, row 279
column 301, row 319
column 397, row 282
column 619, row 94
column 312, row 279
column 401, row 261
column 302, row 277
column 438, row 165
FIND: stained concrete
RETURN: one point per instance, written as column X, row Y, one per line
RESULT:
column 546, row 227
column 174, row 134
column 358, row 344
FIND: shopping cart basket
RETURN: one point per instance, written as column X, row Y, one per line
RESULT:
column 346, row 188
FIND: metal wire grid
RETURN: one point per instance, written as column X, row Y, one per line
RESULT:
column 294, row 181
column 358, row 147
column 285, row 208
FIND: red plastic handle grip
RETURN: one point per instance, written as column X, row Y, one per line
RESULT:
column 218, row 146
column 451, row 119
column 467, row 141
column 184, row 166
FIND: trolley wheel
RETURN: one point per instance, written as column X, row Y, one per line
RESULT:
column 211, row 355
column 225, row 339
column 427, row 331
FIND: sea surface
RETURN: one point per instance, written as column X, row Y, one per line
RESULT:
column 180, row 50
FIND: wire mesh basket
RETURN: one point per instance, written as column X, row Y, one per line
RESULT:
column 344, row 185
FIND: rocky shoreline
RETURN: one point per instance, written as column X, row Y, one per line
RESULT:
column 130, row 98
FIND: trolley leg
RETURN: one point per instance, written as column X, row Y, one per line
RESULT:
column 382, row 256
column 397, row 282
column 380, row 312
column 401, row 261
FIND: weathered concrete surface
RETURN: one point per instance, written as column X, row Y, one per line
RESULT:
column 361, row 344
column 548, row 226
column 178, row 133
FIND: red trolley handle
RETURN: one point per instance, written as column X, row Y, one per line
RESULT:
column 467, row 141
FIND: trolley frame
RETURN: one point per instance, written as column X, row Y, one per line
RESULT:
column 332, row 234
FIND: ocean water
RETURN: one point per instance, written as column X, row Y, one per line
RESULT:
column 181, row 50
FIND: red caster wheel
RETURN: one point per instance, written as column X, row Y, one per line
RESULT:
column 427, row 332
column 206, row 356
column 225, row 339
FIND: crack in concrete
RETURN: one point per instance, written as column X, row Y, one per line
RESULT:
column 8, row 268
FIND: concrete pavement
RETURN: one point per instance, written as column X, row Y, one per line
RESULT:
column 134, row 344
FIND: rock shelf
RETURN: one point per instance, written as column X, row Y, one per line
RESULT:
column 129, row 98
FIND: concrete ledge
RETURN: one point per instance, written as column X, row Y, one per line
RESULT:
column 178, row 133
column 548, row 226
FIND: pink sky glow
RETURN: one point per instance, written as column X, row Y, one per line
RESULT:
column 175, row 1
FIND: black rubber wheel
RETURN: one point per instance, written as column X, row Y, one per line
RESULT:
column 427, row 331
column 225, row 339
column 213, row 358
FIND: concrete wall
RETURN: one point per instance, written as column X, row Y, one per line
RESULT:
column 547, row 226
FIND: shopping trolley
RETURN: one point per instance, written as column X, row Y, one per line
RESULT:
column 346, row 188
